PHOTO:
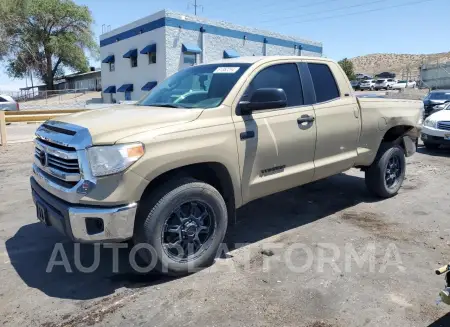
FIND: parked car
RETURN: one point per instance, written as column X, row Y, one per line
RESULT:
column 435, row 98
column 355, row 84
column 7, row 103
column 436, row 129
column 403, row 84
column 385, row 83
column 368, row 84
column 170, row 171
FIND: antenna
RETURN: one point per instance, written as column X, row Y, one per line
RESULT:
column 195, row 5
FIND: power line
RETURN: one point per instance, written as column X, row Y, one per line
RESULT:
column 357, row 13
column 262, row 5
column 321, row 11
column 311, row 4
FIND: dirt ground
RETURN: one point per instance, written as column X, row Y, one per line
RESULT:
column 253, row 284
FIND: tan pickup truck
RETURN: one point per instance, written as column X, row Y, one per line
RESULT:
column 170, row 171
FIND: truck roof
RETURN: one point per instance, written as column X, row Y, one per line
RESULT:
column 253, row 59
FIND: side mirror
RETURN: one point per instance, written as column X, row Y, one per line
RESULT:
column 264, row 98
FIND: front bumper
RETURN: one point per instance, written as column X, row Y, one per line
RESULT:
column 432, row 139
column 112, row 224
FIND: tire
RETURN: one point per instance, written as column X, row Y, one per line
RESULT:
column 158, row 211
column 431, row 146
column 377, row 180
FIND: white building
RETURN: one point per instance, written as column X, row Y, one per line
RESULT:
column 137, row 56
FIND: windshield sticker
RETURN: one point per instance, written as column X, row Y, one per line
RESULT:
column 226, row 70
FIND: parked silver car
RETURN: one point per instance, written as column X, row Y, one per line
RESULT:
column 7, row 103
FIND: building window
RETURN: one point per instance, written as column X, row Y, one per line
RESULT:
column 190, row 58
column 133, row 61
column 152, row 58
column 127, row 96
column 112, row 66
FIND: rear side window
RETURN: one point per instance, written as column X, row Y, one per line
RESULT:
column 2, row 100
column 324, row 82
column 283, row 76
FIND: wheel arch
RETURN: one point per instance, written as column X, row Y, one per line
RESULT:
column 213, row 173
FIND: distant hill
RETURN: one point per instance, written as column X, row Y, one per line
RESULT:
column 401, row 64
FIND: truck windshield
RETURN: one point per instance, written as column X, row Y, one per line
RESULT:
column 438, row 96
column 204, row 86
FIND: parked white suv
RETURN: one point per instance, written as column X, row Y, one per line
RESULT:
column 436, row 129
column 368, row 84
column 386, row 83
column 8, row 104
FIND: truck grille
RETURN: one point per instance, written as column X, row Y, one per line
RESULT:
column 58, row 161
column 445, row 125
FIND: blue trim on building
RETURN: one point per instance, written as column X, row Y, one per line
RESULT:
column 149, row 86
column 108, row 59
column 190, row 48
column 131, row 53
column 230, row 53
column 151, row 48
column 211, row 29
column 110, row 89
column 126, row 88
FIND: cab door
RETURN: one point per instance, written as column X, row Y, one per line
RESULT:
column 337, row 119
column 275, row 146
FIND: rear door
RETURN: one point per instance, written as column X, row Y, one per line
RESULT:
column 337, row 120
column 275, row 146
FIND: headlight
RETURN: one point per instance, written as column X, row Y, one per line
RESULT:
column 430, row 123
column 112, row 159
column 439, row 106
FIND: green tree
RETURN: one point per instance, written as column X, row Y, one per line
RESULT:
column 347, row 66
column 45, row 37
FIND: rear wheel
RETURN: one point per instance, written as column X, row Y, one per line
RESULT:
column 184, row 223
column 431, row 146
column 386, row 174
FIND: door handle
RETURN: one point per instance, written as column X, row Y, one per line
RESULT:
column 247, row 135
column 305, row 119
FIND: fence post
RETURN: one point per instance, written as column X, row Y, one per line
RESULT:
column 2, row 128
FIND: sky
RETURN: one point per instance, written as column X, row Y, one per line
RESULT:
column 347, row 28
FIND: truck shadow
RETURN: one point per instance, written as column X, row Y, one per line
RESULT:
column 443, row 151
column 441, row 322
column 31, row 248
column 296, row 207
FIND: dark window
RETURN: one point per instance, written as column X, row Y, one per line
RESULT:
column 127, row 96
column 133, row 61
column 284, row 76
column 2, row 100
column 152, row 58
column 324, row 82
column 112, row 66
column 190, row 58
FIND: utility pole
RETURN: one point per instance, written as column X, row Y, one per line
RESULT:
column 195, row 5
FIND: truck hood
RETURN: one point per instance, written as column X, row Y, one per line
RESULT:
column 432, row 102
column 441, row 115
column 108, row 125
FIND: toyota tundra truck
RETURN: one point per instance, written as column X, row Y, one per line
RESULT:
column 170, row 171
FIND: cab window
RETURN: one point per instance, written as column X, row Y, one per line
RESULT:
column 283, row 76
column 324, row 83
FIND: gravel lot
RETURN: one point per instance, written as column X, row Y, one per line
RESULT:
column 411, row 230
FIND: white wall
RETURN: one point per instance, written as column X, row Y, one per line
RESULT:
column 214, row 45
column 140, row 75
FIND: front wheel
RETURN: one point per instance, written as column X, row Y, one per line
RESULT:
column 181, row 226
column 386, row 174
